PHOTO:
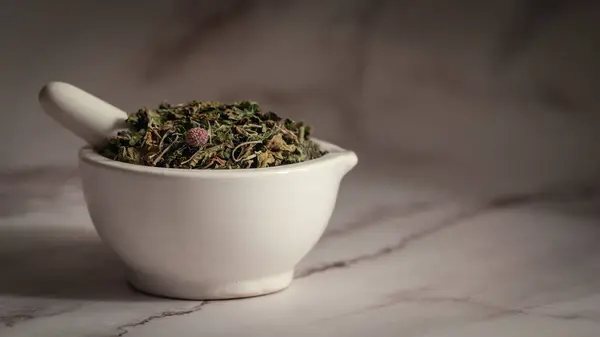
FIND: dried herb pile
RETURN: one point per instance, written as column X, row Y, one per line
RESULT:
column 211, row 135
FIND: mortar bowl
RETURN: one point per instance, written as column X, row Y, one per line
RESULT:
column 212, row 234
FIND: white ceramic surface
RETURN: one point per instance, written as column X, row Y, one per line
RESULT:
column 212, row 234
column 82, row 113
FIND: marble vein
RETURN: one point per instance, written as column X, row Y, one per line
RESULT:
column 381, row 213
column 577, row 193
column 426, row 296
column 400, row 245
column 22, row 314
column 495, row 311
column 585, row 316
column 126, row 328
column 420, row 296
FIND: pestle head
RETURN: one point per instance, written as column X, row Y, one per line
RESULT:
column 82, row 113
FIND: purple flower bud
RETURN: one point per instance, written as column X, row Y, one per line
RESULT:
column 196, row 137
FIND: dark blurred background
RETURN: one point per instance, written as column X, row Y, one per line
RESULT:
column 499, row 93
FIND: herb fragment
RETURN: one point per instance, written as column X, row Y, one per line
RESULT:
column 211, row 135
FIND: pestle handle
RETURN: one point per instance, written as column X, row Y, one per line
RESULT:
column 82, row 113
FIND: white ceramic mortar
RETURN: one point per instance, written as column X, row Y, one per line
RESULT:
column 202, row 234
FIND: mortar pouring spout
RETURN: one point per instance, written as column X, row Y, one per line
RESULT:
column 343, row 161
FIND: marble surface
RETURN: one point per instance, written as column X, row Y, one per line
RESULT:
column 400, row 258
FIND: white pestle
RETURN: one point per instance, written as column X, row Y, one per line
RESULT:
column 84, row 114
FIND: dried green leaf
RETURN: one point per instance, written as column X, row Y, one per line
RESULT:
column 265, row 158
column 277, row 143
